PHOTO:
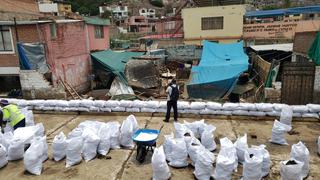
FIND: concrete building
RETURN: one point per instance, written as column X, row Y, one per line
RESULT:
column 140, row 24
column 98, row 33
column 118, row 12
column 148, row 13
column 215, row 23
column 55, row 7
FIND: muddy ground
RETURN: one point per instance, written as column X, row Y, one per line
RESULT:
column 121, row 164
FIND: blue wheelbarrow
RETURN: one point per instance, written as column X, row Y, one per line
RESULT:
column 145, row 140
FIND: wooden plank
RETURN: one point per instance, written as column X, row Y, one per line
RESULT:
column 262, row 67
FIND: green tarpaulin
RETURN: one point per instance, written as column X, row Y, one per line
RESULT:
column 113, row 62
column 96, row 21
column 314, row 51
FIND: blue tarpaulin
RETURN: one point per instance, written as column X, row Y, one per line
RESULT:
column 218, row 70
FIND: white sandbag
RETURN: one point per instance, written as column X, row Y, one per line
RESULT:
column 193, row 146
column 8, row 128
column 266, row 163
column 291, row 170
column 227, row 160
column 241, row 145
column 39, row 130
column 59, row 146
column 112, row 104
column 314, row 108
column 128, row 128
column 28, row 116
column 318, row 142
column 196, row 127
column 6, row 139
column 204, row 164
column 257, row 113
column 22, row 103
column 310, row 115
column 213, row 106
column 90, row 144
column 94, row 109
column 151, row 104
column 132, row 109
column 104, row 135
column 83, row 109
column 181, row 130
column 76, row 132
column 266, row 107
column 32, row 159
column 197, row 105
column 105, row 109
column 118, row 109
column 73, row 152
column 183, row 105
column 162, row 104
column 247, row 107
column 274, row 113
column 278, row 107
column 207, row 138
column 74, row 103
column 3, row 156
column 43, row 141
column 297, row 115
column 167, row 146
column 115, row 135
column 189, row 111
column 48, row 108
column 179, row 154
column 125, row 103
column 279, row 131
column 15, row 149
column 301, row 153
column 230, row 106
column 286, row 115
column 207, row 111
column 93, row 125
column 240, row 112
column 86, row 103
column 224, row 112
column 148, row 110
column 99, row 103
column 58, row 109
column 160, row 167
column 162, row 110
column 252, row 166
column 62, row 103
column 138, row 104
column 300, row 108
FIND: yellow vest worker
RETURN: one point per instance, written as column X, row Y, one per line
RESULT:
column 12, row 114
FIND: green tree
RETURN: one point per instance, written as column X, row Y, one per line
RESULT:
column 287, row 3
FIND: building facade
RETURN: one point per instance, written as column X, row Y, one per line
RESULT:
column 56, row 7
column 222, row 24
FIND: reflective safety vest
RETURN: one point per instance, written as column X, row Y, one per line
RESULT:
column 12, row 114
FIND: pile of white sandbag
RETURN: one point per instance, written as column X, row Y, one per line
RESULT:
column 91, row 138
column 205, row 108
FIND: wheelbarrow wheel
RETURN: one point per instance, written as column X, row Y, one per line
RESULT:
column 141, row 153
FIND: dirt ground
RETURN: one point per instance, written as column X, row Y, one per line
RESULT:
column 121, row 164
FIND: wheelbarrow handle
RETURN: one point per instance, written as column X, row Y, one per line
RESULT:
column 161, row 128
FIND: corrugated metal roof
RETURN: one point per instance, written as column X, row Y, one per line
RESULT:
column 96, row 21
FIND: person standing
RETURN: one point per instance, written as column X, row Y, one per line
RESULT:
column 11, row 114
column 173, row 96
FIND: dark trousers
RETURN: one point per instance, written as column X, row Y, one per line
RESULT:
column 172, row 104
column 22, row 123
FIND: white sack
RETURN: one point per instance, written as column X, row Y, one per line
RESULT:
column 286, row 115
column 163, row 104
column 128, row 128
column 139, row 104
column 99, row 103
column 59, row 146
column 242, row 146
column 86, row 103
column 230, row 106
column 32, row 159
column 76, row 132
column 297, row 115
column 148, row 110
column 105, row 109
column 240, row 112
column 183, row 105
column 227, row 160
column 112, row 104
column 167, row 146
column 196, row 127
column 90, row 144
column 83, row 109
column 301, row 153
column 264, row 107
column 300, row 108
column 181, row 130
column 28, row 116
column 189, row 111
column 74, row 103
column 278, row 107
column 207, row 138
column 160, row 167
column 15, row 149
column 43, row 141
column 93, row 125
column 179, row 154
column 132, row 109
column 118, row 109
column 257, row 113
column 279, row 131
column 62, row 103
column 114, row 128
column 252, row 167
column 94, row 109
column 224, row 112
column 314, row 108
column 73, row 152
column 8, row 128
column 291, row 170
column 207, row 111
column 6, row 139
column 204, row 164
column 213, row 106
column 104, row 135
column 193, row 146
column 310, row 115
column 247, row 107
column 3, row 156
column 125, row 103
column 274, row 113
column 197, row 105
column 266, row 163
column 151, row 104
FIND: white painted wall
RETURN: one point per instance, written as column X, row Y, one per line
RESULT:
column 48, row 8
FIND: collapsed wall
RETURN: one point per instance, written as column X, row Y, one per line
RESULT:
column 184, row 107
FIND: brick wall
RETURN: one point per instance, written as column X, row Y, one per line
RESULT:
column 68, row 54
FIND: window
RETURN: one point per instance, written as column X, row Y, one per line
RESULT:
column 53, row 31
column 98, row 32
column 169, row 25
column 209, row 23
column 5, row 39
